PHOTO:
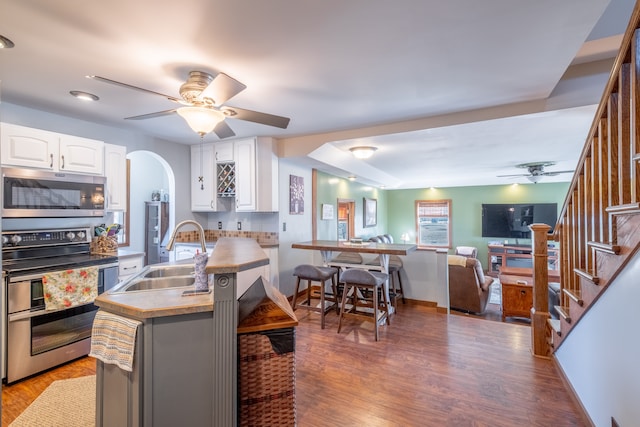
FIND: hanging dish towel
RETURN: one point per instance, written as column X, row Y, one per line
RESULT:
column 113, row 339
column 68, row 288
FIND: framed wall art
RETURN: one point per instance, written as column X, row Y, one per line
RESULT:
column 296, row 195
column 327, row 211
column 370, row 210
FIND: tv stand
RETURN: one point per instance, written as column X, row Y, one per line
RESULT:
column 516, row 256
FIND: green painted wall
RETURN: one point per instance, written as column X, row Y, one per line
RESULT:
column 396, row 208
column 331, row 188
column 466, row 208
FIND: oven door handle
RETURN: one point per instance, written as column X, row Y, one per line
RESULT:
column 14, row 317
column 23, row 278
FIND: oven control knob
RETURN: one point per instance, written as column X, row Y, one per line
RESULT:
column 15, row 239
column 81, row 235
column 5, row 240
column 71, row 235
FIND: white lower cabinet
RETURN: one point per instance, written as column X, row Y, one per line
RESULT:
column 189, row 250
column 130, row 265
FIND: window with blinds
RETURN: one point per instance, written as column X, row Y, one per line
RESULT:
column 433, row 223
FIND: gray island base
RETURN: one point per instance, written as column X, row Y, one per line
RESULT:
column 185, row 360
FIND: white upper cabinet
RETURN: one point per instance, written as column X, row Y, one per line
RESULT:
column 256, row 175
column 250, row 173
column 115, row 170
column 245, row 155
column 224, row 152
column 203, row 178
column 36, row 148
column 81, row 155
column 32, row 148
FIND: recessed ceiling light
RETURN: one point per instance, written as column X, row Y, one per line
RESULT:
column 85, row 96
column 5, row 43
column 352, row 178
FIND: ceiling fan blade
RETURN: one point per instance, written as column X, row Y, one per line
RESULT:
column 128, row 86
column 257, row 117
column 554, row 173
column 151, row 115
column 222, row 88
column 511, row 176
column 223, row 130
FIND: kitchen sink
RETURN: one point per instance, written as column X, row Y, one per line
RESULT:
column 169, row 271
column 147, row 284
column 157, row 277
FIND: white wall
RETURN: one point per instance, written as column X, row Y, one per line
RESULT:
column 298, row 227
column 600, row 356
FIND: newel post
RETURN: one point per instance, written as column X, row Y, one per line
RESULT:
column 540, row 310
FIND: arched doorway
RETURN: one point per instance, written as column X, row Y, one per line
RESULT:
column 149, row 173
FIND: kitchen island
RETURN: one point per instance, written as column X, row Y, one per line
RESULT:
column 185, row 360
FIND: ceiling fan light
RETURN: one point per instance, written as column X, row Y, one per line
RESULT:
column 362, row 152
column 534, row 178
column 201, row 120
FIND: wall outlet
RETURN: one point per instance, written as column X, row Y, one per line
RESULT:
column 219, row 225
column 239, row 225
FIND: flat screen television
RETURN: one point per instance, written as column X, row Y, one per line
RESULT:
column 513, row 220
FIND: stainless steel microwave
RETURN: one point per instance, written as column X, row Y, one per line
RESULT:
column 30, row 193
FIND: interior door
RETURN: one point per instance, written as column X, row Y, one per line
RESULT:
column 346, row 222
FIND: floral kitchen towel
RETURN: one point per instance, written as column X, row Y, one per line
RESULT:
column 69, row 288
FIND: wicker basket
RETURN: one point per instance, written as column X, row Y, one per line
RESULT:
column 266, row 378
column 107, row 245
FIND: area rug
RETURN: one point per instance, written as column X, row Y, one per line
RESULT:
column 65, row 403
column 496, row 293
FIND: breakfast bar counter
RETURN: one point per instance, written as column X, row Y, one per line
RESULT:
column 383, row 250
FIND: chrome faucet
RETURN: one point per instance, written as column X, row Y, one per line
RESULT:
column 172, row 239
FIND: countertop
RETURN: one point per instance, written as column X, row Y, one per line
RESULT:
column 230, row 255
column 125, row 253
column 365, row 247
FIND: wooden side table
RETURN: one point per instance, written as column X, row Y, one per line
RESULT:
column 517, row 296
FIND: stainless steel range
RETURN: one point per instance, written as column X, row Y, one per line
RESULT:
column 38, row 339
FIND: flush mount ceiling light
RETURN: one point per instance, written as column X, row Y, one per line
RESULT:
column 5, row 43
column 362, row 151
column 85, row 96
column 352, row 178
column 201, row 120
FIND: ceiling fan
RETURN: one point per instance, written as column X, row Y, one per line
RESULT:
column 536, row 171
column 202, row 97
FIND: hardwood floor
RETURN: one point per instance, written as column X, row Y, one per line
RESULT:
column 427, row 369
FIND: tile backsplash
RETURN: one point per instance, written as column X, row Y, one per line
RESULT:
column 262, row 237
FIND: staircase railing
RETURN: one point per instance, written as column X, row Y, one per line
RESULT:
column 598, row 221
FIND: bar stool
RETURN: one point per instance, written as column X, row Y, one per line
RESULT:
column 365, row 289
column 312, row 273
column 395, row 270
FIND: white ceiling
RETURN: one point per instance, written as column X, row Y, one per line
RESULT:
column 452, row 94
